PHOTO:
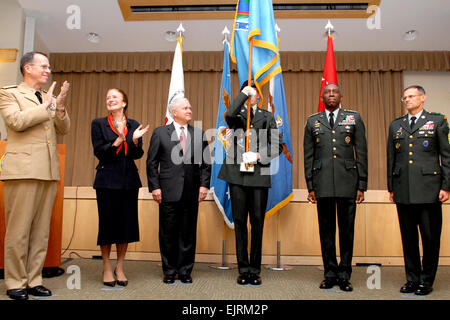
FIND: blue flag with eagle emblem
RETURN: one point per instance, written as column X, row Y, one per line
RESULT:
column 280, row 192
column 222, row 136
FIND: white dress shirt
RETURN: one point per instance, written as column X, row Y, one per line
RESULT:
column 178, row 130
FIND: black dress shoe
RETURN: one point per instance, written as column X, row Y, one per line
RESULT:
column 423, row 289
column 328, row 283
column 122, row 283
column 110, row 283
column 17, row 294
column 243, row 279
column 254, row 279
column 169, row 279
column 345, row 285
column 50, row 272
column 185, row 278
column 409, row 287
column 39, row 291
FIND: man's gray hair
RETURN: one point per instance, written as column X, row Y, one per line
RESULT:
column 175, row 102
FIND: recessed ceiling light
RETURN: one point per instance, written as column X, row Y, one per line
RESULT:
column 93, row 37
column 170, row 36
column 410, row 35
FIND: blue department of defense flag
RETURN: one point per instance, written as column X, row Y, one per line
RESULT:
column 220, row 188
column 280, row 193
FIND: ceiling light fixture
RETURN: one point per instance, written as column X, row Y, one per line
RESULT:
column 93, row 37
column 410, row 35
column 170, row 36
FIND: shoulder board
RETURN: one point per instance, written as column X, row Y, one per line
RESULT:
column 437, row 114
column 347, row 110
column 315, row 114
column 398, row 118
column 9, row 87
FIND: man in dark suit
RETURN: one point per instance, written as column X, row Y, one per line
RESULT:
column 335, row 154
column 249, row 189
column 178, row 171
column 418, row 165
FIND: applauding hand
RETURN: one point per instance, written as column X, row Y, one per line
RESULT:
column 139, row 132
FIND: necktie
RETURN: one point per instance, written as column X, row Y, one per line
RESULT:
column 252, row 115
column 331, row 120
column 413, row 122
column 183, row 140
column 38, row 95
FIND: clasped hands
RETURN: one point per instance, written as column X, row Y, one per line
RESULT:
column 138, row 133
column 48, row 99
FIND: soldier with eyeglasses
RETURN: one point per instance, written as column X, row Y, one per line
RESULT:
column 418, row 169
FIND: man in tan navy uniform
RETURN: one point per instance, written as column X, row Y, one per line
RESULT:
column 335, row 154
column 418, row 169
column 29, row 170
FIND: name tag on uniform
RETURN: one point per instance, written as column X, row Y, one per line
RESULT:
column 348, row 121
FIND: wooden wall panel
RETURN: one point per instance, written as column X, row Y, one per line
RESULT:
column 377, row 234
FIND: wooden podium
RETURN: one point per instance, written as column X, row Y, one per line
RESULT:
column 53, row 258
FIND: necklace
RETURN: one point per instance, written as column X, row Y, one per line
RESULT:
column 115, row 123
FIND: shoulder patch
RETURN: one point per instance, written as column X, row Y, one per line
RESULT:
column 439, row 114
column 9, row 87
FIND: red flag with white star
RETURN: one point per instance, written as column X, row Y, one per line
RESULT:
column 329, row 71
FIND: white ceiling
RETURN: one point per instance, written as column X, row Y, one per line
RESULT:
column 431, row 18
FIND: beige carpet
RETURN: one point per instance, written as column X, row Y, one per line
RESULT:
column 299, row 283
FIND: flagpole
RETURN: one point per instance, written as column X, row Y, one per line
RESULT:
column 223, row 265
column 249, row 102
column 278, row 267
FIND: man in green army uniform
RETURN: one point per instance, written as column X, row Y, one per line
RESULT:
column 335, row 160
column 418, row 169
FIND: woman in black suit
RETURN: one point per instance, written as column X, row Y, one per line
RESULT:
column 117, row 142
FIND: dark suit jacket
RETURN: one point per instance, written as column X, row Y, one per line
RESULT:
column 169, row 170
column 335, row 159
column 115, row 171
column 262, row 140
column 418, row 159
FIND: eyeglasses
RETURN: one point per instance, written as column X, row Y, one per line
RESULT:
column 409, row 97
column 43, row 66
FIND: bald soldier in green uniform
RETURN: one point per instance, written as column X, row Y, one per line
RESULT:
column 335, row 159
column 418, row 169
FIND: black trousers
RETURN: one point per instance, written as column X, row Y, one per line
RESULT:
column 346, row 212
column 178, row 234
column 245, row 202
column 428, row 217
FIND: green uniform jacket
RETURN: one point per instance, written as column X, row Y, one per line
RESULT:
column 418, row 159
column 335, row 159
column 262, row 140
